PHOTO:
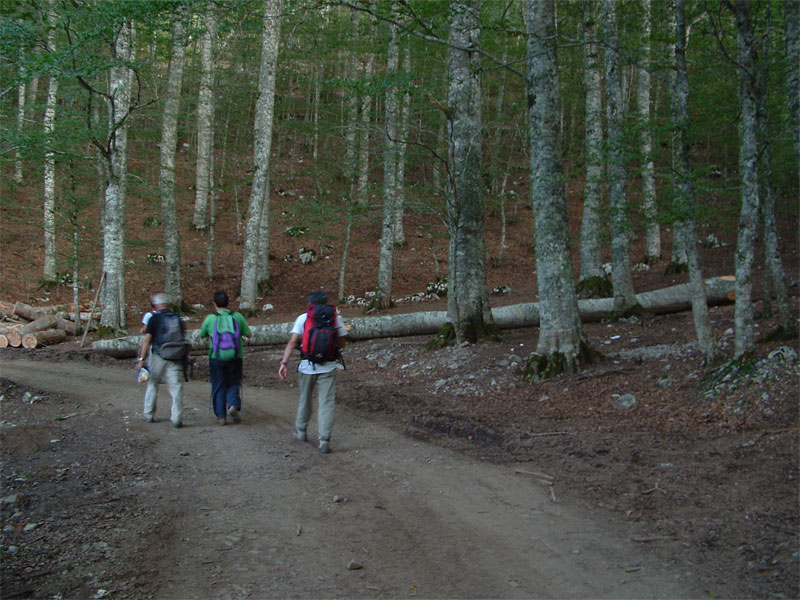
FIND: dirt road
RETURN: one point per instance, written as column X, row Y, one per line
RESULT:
column 243, row 511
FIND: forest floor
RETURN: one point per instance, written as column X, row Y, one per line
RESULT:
column 646, row 475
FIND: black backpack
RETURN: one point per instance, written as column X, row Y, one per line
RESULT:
column 172, row 344
column 319, row 343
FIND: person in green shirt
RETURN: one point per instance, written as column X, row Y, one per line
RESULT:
column 226, row 330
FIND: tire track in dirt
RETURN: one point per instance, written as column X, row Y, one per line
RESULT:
column 254, row 514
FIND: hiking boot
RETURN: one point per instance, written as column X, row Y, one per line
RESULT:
column 177, row 425
column 220, row 420
column 324, row 446
column 149, row 418
column 233, row 413
column 298, row 435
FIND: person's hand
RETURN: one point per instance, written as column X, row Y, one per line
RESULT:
column 282, row 371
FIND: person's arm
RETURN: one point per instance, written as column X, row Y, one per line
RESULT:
column 143, row 351
column 294, row 340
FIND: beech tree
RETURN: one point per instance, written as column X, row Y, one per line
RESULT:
column 468, row 295
column 49, row 274
column 744, row 339
column 114, row 151
column 383, row 292
column 258, row 211
column 166, row 178
column 562, row 345
column 593, row 281
column 772, row 256
column 205, row 118
column 680, row 99
column 791, row 20
column 621, row 275
column 652, row 245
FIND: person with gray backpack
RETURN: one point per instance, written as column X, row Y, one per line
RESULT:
column 165, row 349
column 225, row 358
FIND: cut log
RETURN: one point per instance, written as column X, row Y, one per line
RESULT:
column 10, row 327
column 28, row 312
column 14, row 339
column 43, row 338
column 672, row 299
column 65, row 324
column 40, row 324
column 3, row 341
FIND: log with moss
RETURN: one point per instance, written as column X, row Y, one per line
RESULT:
column 667, row 300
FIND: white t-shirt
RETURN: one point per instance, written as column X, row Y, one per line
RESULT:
column 306, row 366
column 146, row 317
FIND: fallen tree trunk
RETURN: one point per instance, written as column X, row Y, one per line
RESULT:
column 667, row 300
column 43, row 338
column 28, row 312
column 40, row 324
column 64, row 323
column 3, row 341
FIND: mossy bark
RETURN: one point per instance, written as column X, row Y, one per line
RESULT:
column 473, row 333
column 547, row 366
column 594, row 287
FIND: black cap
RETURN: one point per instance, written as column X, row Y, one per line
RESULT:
column 318, row 297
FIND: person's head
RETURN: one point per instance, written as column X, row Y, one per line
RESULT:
column 221, row 299
column 159, row 300
column 318, row 297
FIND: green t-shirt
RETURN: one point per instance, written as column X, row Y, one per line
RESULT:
column 207, row 330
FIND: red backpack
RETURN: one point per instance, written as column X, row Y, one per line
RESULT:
column 319, row 343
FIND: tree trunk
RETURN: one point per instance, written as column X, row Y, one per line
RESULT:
column 40, row 324
column 744, row 341
column 49, row 222
column 383, row 293
column 622, row 278
column 256, row 231
column 562, row 342
column 21, row 94
column 351, row 105
column 166, row 179
column 652, row 244
column 113, row 297
column 368, row 67
column 468, row 294
column 205, row 118
column 592, row 274
column 44, row 338
column 772, row 254
column 669, row 300
column 792, row 27
column 702, row 323
column 400, row 195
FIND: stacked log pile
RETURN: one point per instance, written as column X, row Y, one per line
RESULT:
column 24, row 326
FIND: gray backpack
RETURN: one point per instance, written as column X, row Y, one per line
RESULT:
column 173, row 344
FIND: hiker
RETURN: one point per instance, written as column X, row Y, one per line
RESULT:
column 226, row 330
column 316, row 368
column 170, row 370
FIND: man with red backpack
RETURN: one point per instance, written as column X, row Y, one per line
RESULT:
column 320, row 334
column 226, row 330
